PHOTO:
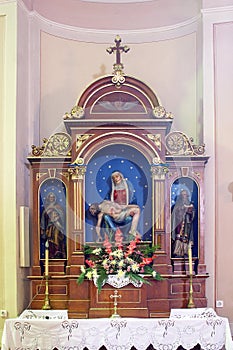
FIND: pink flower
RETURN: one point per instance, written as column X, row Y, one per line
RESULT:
column 131, row 248
column 107, row 244
column 119, row 238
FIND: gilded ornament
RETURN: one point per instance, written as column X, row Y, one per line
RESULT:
column 59, row 144
column 77, row 172
column 75, row 113
column 81, row 139
column 78, row 161
column 118, row 77
column 157, row 160
column 156, row 139
column 38, row 151
column 160, row 112
column 159, row 171
column 177, row 143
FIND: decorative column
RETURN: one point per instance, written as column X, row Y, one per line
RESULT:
column 159, row 172
column 77, row 172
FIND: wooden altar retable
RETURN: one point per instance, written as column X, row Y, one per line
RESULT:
column 117, row 117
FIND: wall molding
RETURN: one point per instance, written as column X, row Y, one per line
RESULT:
column 105, row 36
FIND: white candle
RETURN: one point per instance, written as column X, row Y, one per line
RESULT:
column 190, row 259
column 47, row 258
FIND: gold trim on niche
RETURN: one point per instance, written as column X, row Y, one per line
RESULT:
column 159, row 205
column 40, row 175
column 52, row 172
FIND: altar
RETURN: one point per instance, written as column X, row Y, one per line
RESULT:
column 204, row 329
column 117, row 128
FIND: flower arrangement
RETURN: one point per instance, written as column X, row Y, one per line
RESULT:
column 131, row 260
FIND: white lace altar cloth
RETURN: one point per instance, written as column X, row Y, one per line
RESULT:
column 44, row 314
column 212, row 333
column 119, row 282
column 193, row 313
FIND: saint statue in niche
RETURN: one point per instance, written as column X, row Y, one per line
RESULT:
column 52, row 226
column 182, row 219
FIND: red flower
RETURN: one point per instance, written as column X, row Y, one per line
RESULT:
column 146, row 261
column 90, row 263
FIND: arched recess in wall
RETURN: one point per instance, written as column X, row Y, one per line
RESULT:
column 52, row 218
column 185, row 214
column 134, row 167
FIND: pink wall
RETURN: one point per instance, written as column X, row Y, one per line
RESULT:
column 62, row 58
column 168, row 67
column 224, row 160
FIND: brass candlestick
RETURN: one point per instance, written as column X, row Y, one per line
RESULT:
column 115, row 297
column 190, row 301
column 191, row 304
column 46, row 305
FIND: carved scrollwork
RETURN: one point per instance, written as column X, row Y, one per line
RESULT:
column 159, row 171
column 118, row 78
column 156, row 139
column 37, row 151
column 77, row 161
column 77, row 172
column 177, row 143
column 81, row 139
column 59, row 144
column 160, row 112
column 76, row 112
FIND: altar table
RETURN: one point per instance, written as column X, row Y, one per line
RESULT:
column 211, row 333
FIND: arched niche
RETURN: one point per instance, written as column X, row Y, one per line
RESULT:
column 188, row 185
column 135, row 168
column 52, row 199
column 107, row 136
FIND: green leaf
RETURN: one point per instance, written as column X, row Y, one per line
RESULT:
column 101, row 280
column 81, row 278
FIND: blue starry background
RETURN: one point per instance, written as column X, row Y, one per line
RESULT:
column 58, row 188
column 135, row 167
column 186, row 183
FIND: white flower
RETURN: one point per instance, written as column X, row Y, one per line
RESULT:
column 89, row 275
column 94, row 273
column 82, row 268
column 129, row 260
column 120, row 273
column 154, row 274
column 121, row 263
column 135, row 267
column 105, row 262
column 117, row 253
column 96, row 251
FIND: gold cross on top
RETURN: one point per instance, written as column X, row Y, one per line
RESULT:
column 118, row 49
